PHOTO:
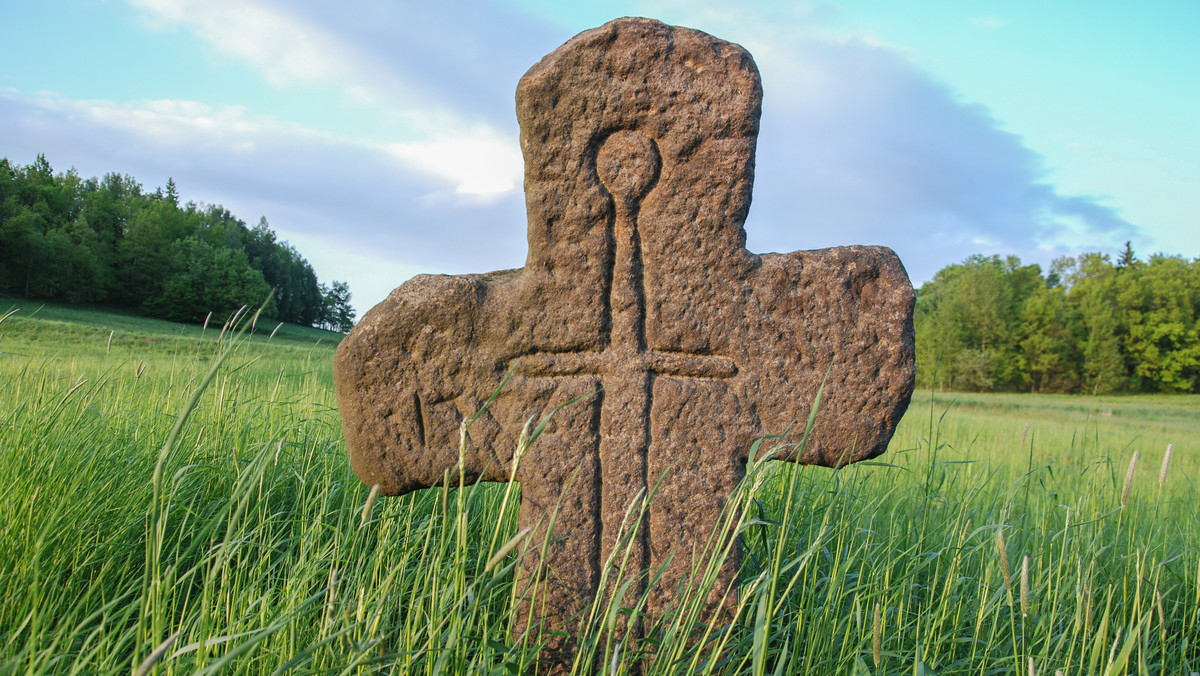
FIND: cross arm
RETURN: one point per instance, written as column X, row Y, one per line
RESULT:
column 406, row 378
column 842, row 317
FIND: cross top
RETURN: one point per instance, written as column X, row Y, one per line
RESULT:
column 639, row 158
column 627, row 165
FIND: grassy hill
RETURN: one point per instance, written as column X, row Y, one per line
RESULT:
column 64, row 325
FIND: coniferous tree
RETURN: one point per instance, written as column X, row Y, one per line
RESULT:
column 106, row 240
column 339, row 316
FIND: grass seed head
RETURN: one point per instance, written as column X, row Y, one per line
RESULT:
column 1166, row 465
column 1025, row 586
column 1087, row 608
column 1162, row 617
column 153, row 658
column 877, row 635
column 369, row 505
column 1005, row 568
column 1128, row 480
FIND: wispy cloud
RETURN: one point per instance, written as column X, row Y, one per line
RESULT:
column 990, row 22
column 285, row 48
column 174, row 122
column 304, row 43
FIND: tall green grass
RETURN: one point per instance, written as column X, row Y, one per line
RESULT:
column 972, row 547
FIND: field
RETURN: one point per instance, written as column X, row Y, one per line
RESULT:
column 177, row 500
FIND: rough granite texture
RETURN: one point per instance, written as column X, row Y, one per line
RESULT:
column 639, row 143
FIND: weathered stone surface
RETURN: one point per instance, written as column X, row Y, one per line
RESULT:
column 639, row 144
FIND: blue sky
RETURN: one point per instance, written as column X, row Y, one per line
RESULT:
column 380, row 139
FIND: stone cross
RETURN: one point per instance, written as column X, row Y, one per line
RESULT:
column 639, row 143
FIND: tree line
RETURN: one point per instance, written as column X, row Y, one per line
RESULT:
column 106, row 240
column 1093, row 324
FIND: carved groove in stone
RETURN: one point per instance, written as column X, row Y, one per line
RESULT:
column 628, row 164
column 420, row 417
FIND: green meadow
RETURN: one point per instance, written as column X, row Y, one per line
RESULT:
column 176, row 500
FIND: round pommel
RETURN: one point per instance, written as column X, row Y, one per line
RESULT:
column 628, row 165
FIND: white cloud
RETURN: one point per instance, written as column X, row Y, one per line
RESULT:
column 482, row 167
column 285, row 49
column 290, row 48
column 170, row 122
